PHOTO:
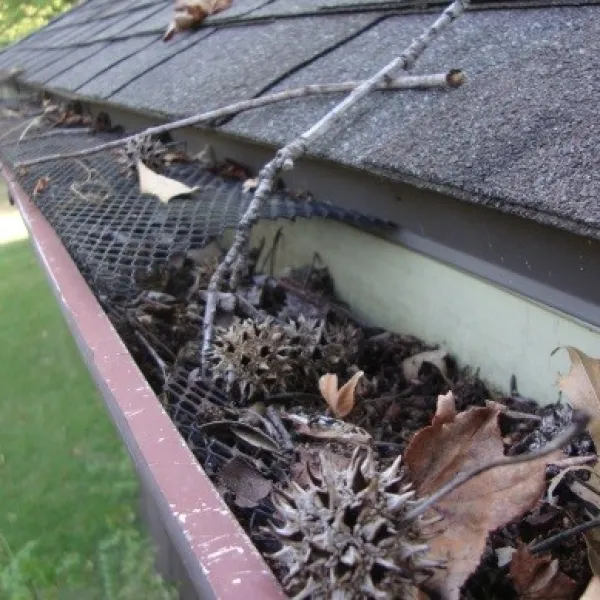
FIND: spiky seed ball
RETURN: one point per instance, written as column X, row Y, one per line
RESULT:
column 339, row 346
column 270, row 357
column 343, row 536
column 252, row 356
column 145, row 148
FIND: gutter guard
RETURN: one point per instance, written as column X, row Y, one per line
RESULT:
column 220, row 560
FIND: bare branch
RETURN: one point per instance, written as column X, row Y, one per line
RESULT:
column 557, row 539
column 285, row 157
column 452, row 79
column 579, row 423
column 154, row 354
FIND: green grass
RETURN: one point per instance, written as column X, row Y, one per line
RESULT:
column 20, row 17
column 67, row 488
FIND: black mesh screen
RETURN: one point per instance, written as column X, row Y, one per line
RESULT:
column 115, row 235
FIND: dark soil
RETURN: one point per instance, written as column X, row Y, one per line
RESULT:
column 241, row 425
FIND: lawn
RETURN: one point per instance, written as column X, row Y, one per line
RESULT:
column 67, row 489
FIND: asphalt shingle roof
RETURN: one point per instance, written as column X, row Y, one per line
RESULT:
column 522, row 136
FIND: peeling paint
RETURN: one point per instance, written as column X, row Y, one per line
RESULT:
column 212, row 540
column 218, row 553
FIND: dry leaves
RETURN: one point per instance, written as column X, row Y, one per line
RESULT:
column 412, row 365
column 189, row 13
column 582, row 387
column 539, row 578
column 248, row 485
column 342, row 400
column 40, row 185
column 164, row 188
column 459, row 442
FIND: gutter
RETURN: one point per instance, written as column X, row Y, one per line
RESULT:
column 219, row 559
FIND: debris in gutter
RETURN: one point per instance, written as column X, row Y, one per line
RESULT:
column 340, row 400
column 256, row 431
column 41, row 184
column 164, row 188
column 416, row 418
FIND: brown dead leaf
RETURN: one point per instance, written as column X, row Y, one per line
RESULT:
column 160, row 186
column 341, row 401
column 538, row 577
column 412, row 365
column 233, row 170
column 41, row 185
column 245, row 481
column 189, row 13
column 582, row 387
column 592, row 592
column 449, row 446
column 446, row 409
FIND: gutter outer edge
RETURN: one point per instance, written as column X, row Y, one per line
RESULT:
column 219, row 557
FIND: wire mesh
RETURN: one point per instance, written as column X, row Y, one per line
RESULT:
column 115, row 235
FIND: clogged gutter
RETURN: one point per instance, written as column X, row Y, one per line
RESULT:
column 302, row 396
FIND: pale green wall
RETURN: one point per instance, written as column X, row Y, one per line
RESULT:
column 481, row 324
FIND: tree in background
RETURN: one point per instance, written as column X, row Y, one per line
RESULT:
column 18, row 18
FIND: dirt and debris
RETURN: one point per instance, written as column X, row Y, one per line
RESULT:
column 293, row 376
column 327, row 437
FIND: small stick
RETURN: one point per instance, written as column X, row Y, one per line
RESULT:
column 285, row 439
column 285, row 157
column 453, row 78
column 61, row 131
column 574, row 461
column 557, row 539
column 157, row 359
column 579, row 423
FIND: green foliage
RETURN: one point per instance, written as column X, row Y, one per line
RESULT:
column 123, row 570
column 20, row 18
column 17, row 571
column 67, row 488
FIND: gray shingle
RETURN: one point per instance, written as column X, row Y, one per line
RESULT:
column 31, row 61
column 296, row 7
column 109, row 55
column 80, row 34
column 147, row 58
column 125, row 22
column 235, row 63
column 15, row 57
column 44, row 59
column 238, row 9
column 523, row 135
column 114, row 8
column 156, row 22
column 64, row 60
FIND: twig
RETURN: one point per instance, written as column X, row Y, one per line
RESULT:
column 578, row 424
column 157, row 359
column 33, row 123
column 453, row 78
column 285, row 157
column 61, row 131
column 574, row 461
column 285, row 439
column 555, row 540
